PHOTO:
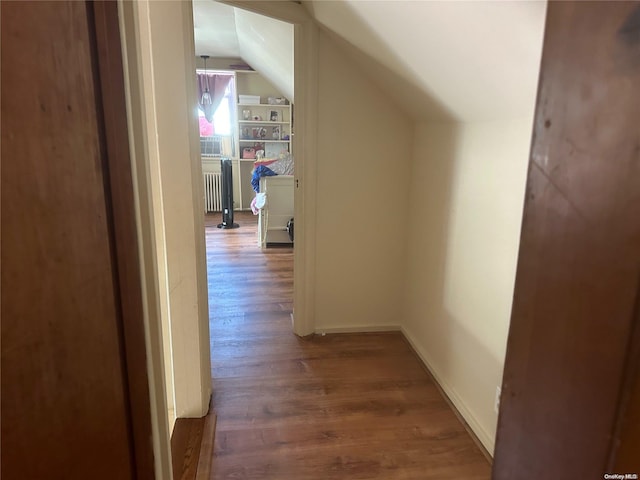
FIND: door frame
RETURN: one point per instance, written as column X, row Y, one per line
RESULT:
column 120, row 190
column 133, row 67
column 304, row 148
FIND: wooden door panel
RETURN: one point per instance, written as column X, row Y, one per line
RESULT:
column 579, row 260
column 624, row 455
column 65, row 411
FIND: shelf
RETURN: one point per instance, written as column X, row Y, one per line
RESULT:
column 261, row 105
column 262, row 122
column 272, row 144
column 255, row 160
column 257, row 140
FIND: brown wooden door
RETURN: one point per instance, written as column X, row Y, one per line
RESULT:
column 572, row 349
column 75, row 402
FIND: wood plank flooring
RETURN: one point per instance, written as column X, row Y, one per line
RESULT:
column 185, row 447
column 349, row 406
column 192, row 447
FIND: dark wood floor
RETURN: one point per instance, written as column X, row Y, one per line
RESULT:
column 350, row 406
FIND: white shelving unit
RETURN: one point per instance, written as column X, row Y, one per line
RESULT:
column 260, row 133
column 248, row 133
column 272, row 136
column 263, row 127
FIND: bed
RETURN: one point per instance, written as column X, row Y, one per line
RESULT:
column 273, row 182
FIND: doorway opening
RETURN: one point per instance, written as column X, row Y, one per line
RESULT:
column 250, row 270
column 160, row 82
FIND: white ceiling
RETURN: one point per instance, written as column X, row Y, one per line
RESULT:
column 215, row 29
column 440, row 60
column 460, row 60
column 264, row 43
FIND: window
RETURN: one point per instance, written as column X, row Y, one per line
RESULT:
column 216, row 135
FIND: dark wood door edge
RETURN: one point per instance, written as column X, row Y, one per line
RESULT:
column 119, row 192
column 626, row 432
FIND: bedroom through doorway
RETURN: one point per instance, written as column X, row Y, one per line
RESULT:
column 245, row 96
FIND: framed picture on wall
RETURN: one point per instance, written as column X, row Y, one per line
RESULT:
column 274, row 116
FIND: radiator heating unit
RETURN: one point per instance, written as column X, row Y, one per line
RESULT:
column 212, row 192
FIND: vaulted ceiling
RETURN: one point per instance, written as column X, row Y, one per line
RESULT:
column 440, row 60
column 264, row 43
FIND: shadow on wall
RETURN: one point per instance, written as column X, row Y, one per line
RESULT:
column 428, row 245
column 460, row 363
column 467, row 190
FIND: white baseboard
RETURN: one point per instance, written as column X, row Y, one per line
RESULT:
column 458, row 403
column 358, row 329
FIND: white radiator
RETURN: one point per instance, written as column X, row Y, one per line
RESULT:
column 212, row 192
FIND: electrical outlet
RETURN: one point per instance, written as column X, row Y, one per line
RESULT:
column 496, row 402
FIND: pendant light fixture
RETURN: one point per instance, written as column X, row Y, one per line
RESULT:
column 206, row 96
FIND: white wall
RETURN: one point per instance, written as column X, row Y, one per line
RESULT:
column 253, row 83
column 467, row 194
column 467, row 179
column 218, row 63
column 418, row 227
column 364, row 155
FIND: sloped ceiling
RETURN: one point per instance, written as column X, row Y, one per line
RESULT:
column 447, row 60
column 214, row 27
column 475, row 60
column 264, row 43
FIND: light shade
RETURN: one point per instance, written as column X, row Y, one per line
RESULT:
column 206, row 96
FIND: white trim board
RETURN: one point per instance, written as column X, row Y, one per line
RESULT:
column 358, row 329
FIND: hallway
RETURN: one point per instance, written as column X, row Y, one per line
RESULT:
column 356, row 406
